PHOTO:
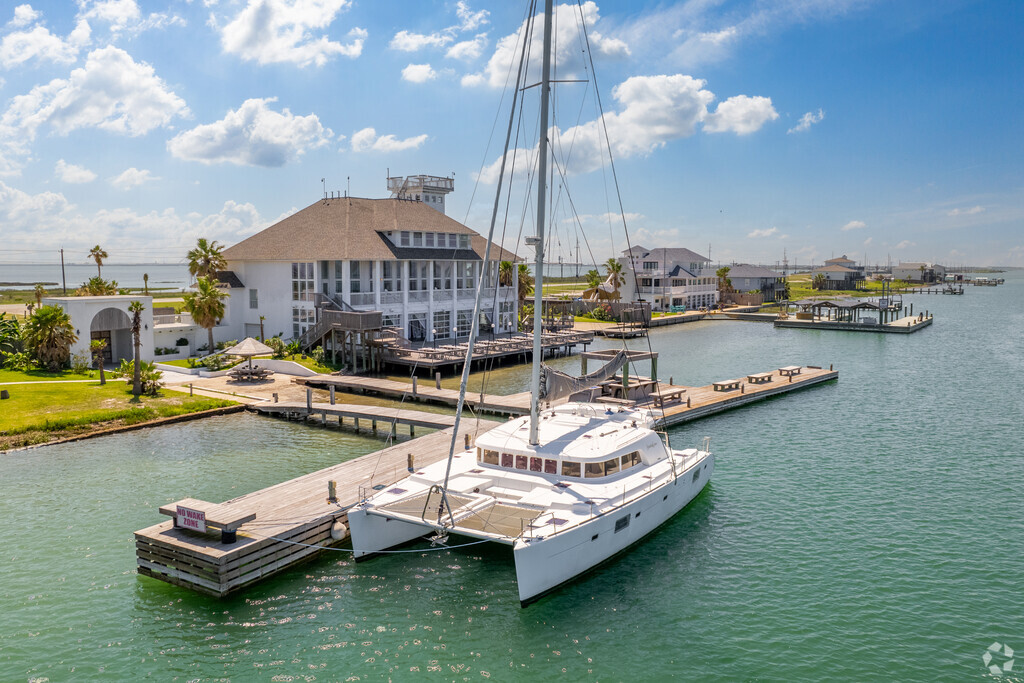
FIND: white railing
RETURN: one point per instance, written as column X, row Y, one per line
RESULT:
column 362, row 299
column 175, row 319
column 442, row 295
column 418, row 296
column 391, row 297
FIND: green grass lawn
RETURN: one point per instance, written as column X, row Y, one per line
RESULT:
column 36, row 413
column 43, row 375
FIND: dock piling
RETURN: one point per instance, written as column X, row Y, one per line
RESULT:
column 332, row 394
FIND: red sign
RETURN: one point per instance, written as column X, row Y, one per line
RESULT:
column 191, row 519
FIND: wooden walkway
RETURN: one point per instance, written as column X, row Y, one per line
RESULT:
column 426, row 392
column 294, row 520
column 356, row 412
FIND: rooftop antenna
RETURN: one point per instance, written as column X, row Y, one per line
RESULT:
column 323, row 181
column 348, row 185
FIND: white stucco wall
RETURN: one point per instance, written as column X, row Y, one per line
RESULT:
column 83, row 309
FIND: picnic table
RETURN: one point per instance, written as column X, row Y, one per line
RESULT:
column 759, row 377
column 243, row 374
column 727, row 385
column 789, row 370
column 668, row 394
column 643, row 385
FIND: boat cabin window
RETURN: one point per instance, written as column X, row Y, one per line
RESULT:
column 570, row 469
column 489, row 457
column 630, row 460
column 595, row 469
column 506, row 460
column 603, row 469
column 520, row 462
column 550, row 466
column 536, row 464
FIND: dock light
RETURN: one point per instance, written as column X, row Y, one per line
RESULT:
column 433, row 336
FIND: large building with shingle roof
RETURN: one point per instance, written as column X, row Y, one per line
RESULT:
column 669, row 277
column 401, row 256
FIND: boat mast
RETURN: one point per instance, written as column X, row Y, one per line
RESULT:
column 542, row 186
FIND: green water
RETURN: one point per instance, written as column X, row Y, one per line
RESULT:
column 869, row 529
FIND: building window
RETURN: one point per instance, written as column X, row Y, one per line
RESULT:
column 418, row 275
column 391, row 275
column 391, row 320
column 254, row 299
column 442, row 324
column 405, row 238
column 302, row 320
column 442, row 275
column 428, row 239
column 453, row 240
column 463, row 241
column 650, row 265
column 339, row 278
column 302, row 281
column 464, row 278
column 417, row 239
column 465, row 322
column 360, row 276
column 417, row 327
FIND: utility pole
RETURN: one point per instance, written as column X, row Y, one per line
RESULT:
column 63, row 279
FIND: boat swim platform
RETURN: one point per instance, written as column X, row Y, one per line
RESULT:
column 285, row 524
column 905, row 325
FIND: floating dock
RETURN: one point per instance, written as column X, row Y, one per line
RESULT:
column 265, row 532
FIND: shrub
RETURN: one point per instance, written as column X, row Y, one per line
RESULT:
column 292, row 347
column 317, row 355
column 226, row 344
column 277, row 345
column 181, row 342
column 19, row 360
column 149, row 376
column 81, row 363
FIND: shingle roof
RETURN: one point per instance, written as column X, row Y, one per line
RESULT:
column 668, row 254
column 351, row 228
column 834, row 269
column 229, row 278
column 747, row 270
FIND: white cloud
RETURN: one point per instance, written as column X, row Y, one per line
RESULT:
column 567, row 57
column 404, row 41
column 767, row 232
column 741, row 114
column 468, row 19
column 854, row 225
column 366, row 140
column 111, row 92
column 70, row 173
column 252, row 135
column 966, row 212
column 904, row 244
column 868, row 241
column 38, row 43
column 118, row 13
column 468, row 50
column 23, row 16
column 165, row 232
column 807, row 120
column 653, row 111
column 289, row 31
column 418, row 73
column 132, row 178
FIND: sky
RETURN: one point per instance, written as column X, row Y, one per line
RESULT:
column 749, row 130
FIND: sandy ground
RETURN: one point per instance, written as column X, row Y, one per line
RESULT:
column 244, row 392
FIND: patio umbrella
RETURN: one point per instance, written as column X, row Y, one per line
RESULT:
column 247, row 348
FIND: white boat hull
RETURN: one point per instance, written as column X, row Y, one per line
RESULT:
column 544, row 564
column 373, row 533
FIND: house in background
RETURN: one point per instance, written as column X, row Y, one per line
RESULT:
column 918, row 271
column 668, row 277
column 846, row 263
column 747, row 278
column 838, row 276
column 397, row 263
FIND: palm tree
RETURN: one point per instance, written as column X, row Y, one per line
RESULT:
column 525, row 282
column 97, row 286
column 145, row 284
column 614, row 269
column 206, row 305
column 98, row 255
column 40, row 292
column 97, row 346
column 593, row 278
column 506, row 273
column 136, row 308
column 206, row 259
column 818, row 282
column 724, row 283
column 49, row 334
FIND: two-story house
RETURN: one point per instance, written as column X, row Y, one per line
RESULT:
column 668, row 277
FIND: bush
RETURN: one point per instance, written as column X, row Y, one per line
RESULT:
column 292, row 347
column 602, row 312
column 317, row 355
column 214, row 362
column 181, row 342
column 149, row 377
column 277, row 345
column 19, row 360
column 81, row 363
column 226, row 344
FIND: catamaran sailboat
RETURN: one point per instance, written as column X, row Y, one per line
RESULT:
column 566, row 487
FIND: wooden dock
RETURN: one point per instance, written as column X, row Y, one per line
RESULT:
column 294, row 521
column 905, row 325
column 423, row 392
column 356, row 412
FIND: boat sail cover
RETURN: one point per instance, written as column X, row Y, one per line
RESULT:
column 555, row 385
